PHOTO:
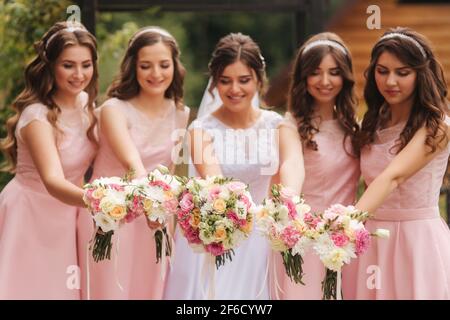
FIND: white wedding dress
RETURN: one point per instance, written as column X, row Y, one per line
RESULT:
column 253, row 163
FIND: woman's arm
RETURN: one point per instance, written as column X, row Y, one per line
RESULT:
column 113, row 124
column 405, row 164
column 202, row 153
column 40, row 140
column 292, row 168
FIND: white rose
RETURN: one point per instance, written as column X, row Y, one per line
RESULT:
column 105, row 222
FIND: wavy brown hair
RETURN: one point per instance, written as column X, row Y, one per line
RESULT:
column 430, row 104
column 126, row 85
column 237, row 47
column 40, row 85
column 301, row 103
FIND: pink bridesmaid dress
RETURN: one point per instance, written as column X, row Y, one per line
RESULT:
column 132, row 273
column 331, row 176
column 38, row 246
column 414, row 262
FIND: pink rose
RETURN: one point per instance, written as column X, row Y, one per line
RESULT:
column 192, row 236
column 186, row 203
column 339, row 239
column 216, row 249
column 214, row 193
column 233, row 217
column 246, row 201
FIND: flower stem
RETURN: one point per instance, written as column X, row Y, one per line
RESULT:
column 102, row 246
column 293, row 265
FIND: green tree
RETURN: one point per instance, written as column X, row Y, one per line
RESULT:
column 22, row 22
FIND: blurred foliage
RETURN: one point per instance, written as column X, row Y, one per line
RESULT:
column 22, row 22
column 197, row 34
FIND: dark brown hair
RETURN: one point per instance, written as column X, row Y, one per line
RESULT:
column 126, row 85
column 40, row 82
column 430, row 104
column 300, row 101
column 237, row 47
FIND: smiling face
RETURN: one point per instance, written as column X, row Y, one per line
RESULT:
column 395, row 80
column 154, row 69
column 73, row 69
column 237, row 86
column 325, row 83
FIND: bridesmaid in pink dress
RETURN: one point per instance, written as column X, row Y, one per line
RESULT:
column 322, row 115
column 404, row 154
column 136, row 132
column 50, row 145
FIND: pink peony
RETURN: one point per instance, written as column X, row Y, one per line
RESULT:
column 362, row 241
column 290, row 236
column 186, row 203
column 339, row 239
column 216, row 249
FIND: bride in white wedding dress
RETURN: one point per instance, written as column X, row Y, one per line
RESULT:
column 237, row 139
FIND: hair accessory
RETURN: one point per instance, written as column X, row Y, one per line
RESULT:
column 406, row 37
column 324, row 42
column 151, row 29
column 68, row 29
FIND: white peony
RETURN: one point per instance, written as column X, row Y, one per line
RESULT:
column 105, row 222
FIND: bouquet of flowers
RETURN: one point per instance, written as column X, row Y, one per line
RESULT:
column 285, row 219
column 215, row 215
column 156, row 196
column 106, row 200
column 343, row 237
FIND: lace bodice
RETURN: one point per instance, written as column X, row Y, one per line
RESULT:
column 251, row 154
